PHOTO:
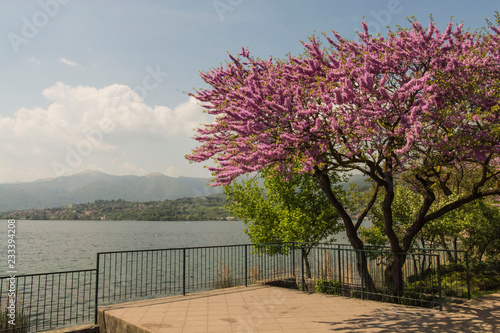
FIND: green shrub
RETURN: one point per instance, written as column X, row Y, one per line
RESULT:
column 454, row 284
column 486, row 267
column 485, row 282
column 484, row 278
column 453, row 268
column 328, row 287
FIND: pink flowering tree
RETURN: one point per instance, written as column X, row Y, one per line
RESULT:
column 419, row 105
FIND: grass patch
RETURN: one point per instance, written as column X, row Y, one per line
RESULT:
column 224, row 277
column 21, row 321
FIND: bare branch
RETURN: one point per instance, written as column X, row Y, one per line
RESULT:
column 367, row 208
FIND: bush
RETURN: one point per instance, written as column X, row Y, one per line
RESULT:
column 484, row 278
column 485, row 282
column 454, row 284
column 453, row 267
column 328, row 287
column 489, row 267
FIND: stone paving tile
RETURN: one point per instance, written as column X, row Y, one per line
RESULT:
column 264, row 309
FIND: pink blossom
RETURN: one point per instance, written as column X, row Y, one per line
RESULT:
column 387, row 101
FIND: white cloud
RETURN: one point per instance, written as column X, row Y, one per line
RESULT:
column 85, row 128
column 35, row 61
column 129, row 168
column 172, row 171
column 68, row 62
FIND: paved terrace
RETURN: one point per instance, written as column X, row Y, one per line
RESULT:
column 271, row 309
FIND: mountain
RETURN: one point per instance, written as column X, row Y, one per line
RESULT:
column 89, row 186
column 361, row 181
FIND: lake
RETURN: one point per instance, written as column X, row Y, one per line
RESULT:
column 51, row 246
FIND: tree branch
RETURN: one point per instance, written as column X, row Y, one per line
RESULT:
column 414, row 229
column 325, row 184
column 367, row 208
column 458, row 203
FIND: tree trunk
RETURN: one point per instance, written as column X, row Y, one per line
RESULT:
column 306, row 262
column 455, row 248
column 351, row 231
column 394, row 271
column 394, row 275
column 444, row 245
column 362, row 265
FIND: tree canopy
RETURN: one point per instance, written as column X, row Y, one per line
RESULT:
column 474, row 226
column 418, row 104
column 283, row 210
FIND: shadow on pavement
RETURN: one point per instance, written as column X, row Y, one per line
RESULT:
column 478, row 315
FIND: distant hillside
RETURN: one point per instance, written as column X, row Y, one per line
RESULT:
column 186, row 209
column 90, row 186
column 94, row 185
column 359, row 180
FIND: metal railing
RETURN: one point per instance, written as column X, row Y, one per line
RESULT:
column 142, row 274
column 339, row 270
column 133, row 275
column 52, row 300
column 420, row 264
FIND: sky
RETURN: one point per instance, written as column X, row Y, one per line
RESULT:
column 103, row 85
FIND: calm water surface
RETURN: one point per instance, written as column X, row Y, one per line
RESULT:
column 50, row 246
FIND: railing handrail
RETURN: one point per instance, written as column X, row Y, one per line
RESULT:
column 388, row 247
column 49, row 273
column 179, row 248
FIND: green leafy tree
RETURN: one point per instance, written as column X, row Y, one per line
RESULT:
column 285, row 209
column 481, row 235
column 476, row 225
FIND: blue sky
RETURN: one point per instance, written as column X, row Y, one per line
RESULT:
column 102, row 85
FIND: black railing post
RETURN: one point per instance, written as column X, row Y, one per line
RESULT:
column 439, row 283
column 302, row 269
column 339, row 264
column 293, row 259
column 468, row 273
column 246, row 265
column 184, row 271
column 96, row 289
column 361, row 259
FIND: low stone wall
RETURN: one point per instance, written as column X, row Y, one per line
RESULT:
column 77, row 329
column 111, row 324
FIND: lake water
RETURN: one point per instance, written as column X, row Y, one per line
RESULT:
column 51, row 246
